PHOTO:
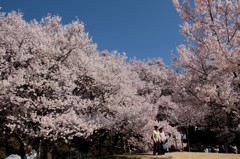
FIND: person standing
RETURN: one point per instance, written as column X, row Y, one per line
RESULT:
column 13, row 154
column 31, row 153
column 163, row 141
column 156, row 141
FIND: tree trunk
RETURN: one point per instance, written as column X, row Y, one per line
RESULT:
column 21, row 147
column 115, row 140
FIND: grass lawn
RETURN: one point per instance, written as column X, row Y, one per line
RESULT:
column 179, row 155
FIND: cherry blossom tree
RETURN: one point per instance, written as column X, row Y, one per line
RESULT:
column 208, row 63
column 55, row 84
column 154, row 86
column 34, row 71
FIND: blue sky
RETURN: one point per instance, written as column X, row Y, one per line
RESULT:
column 141, row 28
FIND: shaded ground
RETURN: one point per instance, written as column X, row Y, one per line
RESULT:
column 178, row 155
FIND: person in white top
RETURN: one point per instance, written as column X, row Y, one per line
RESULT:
column 156, row 141
column 163, row 141
column 31, row 153
column 13, row 154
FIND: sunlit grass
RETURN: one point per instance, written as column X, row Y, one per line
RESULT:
column 179, row 155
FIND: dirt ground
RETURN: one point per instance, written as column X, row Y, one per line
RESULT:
column 180, row 155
